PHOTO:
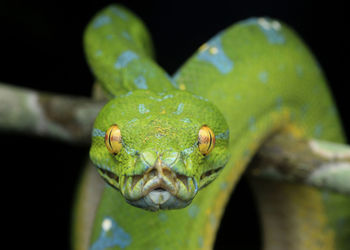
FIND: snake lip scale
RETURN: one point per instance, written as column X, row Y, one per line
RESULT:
column 159, row 186
column 158, row 192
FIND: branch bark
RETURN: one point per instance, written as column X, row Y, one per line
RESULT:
column 282, row 157
column 61, row 117
column 321, row 164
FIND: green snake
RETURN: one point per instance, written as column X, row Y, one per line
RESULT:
column 175, row 146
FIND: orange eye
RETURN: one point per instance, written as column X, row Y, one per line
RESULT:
column 113, row 139
column 206, row 140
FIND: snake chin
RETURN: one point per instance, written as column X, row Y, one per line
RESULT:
column 159, row 188
column 159, row 199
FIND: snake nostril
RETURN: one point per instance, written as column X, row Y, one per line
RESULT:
column 152, row 173
column 168, row 173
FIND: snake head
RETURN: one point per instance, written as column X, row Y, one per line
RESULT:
column 159, row 149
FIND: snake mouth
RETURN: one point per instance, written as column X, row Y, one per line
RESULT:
column 159, row 188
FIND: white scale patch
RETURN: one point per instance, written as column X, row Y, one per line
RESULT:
column 106, row 224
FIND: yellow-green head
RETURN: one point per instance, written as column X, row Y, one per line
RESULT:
column 159, row 149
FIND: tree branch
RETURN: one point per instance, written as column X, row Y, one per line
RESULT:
column 282, row 157
column 62, row 117
column 321, row 164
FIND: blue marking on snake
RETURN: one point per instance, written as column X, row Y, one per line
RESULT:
column 162, row 216
column 188, row 151
column 180, row 108
column 126, row 35
column 172, row 80
column 98, row 53
column 115, row 236
column 132, row 121
column 273, row 36
column 193, row 211
column 318, row 130
column 223, row 186
column 300, row 71
column 238, row 97
column 125, row 58
column 252, row 126
column 118, row 12
column 224, row 135
column 143, row 109
column 266, row 25
column 263, row 76
column 98, row 132
column 186, row 120
column 201, row 98
column 217, row 58
column 167, row 97
column 140, row 82
column 200, row 241
column 101, row 20
column 279, row 103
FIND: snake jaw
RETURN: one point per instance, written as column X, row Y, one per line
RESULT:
column 159, row 188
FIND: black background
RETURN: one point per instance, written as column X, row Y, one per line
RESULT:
column 40, row 48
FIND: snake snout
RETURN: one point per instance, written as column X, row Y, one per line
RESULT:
column 161, row 178
column 160, row 187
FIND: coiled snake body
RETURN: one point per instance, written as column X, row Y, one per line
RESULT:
column 160, row 139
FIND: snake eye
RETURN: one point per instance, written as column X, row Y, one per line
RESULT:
column 113, row 139
column 206, row 140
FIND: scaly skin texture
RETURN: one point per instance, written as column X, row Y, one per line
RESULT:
column 158, row 126
column 247, row 82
